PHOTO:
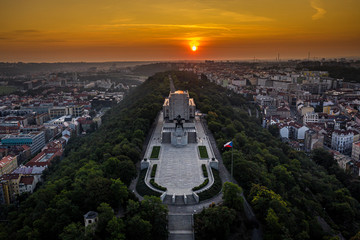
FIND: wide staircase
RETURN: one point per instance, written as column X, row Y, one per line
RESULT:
column 180, row 226
column 179, row 200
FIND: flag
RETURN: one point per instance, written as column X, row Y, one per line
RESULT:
column 228, row 145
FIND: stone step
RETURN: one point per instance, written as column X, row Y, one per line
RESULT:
column 177, row 236
column 180, row 226
column 180, row 222
column 179, row 200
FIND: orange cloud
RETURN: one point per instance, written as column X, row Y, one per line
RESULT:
column 320, row 12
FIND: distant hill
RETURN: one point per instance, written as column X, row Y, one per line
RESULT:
column 11, row 69
column 341, row 70
column 151, row 69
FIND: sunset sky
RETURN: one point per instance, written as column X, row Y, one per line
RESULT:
column 118, row 30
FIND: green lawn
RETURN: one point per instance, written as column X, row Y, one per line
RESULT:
column 4, row 90
column 203, row 152
column 155, row 152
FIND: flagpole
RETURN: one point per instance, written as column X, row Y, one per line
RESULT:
column 232, row 161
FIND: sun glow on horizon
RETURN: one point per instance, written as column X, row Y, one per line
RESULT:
column 194, row 44
column 108, row 30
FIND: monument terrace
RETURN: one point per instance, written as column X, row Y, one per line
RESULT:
column 179, row 155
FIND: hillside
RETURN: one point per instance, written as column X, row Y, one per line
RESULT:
column 292, row 196
column 94, row 176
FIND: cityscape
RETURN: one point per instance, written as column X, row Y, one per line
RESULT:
column 180, row 120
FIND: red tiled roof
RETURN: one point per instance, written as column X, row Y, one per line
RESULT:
column 25, row 147
column 27, row 180
column 6, row 160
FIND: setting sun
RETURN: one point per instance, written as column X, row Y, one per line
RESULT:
column 194, row 48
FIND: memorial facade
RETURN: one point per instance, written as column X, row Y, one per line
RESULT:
column 179, row 113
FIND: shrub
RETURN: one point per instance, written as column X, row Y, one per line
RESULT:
column 153, row 171
column 157, row 186
column 214, row 189
column 205, row 173
column 142, row 188
column 206, row 181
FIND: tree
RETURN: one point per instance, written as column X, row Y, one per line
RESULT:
column 138, row 229
column 73, row 231
column 323, row 158
column 116, row 229
column 122, row 168
column 214, row 223
column 356, row 237
column 274, row 130
column 119, row 192
column 127, row 171
column 232, row 196
column 155, row 212
column 106, row 213
column 273, row 225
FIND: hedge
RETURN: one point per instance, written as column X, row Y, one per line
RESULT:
column 214, row 189
column 153, row 171
column 206, row 181
column 157, row 186
column 205, row 173
column 142, row 188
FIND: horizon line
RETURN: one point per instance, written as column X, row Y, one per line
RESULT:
column 255, row 59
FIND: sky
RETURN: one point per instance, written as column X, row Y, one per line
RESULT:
column 137, row 30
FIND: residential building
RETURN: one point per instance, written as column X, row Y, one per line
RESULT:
column 10, row 187
column 342, row 141
column 313, row 140
column 311, row 117
column 27, row 184
column 45, row 157
column 36, row 140
column 8, row 164
column 76, row 111
column 355, row 153
column 265, row 100
column 9, row 127
column 305, row 110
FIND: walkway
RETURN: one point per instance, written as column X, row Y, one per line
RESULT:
column 179, row 168
column 180, row 226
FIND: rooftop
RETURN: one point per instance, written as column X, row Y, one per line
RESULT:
column 91, row 215
column 6, row 160
column 27, row 180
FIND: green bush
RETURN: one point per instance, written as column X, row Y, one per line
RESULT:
column 205, row 173
column 203, row 152
column 155, row 152
column 142, row 188
column 157, row 186
column 206, row 181
column 153, row 171
column 214, row 189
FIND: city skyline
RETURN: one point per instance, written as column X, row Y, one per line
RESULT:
column 43, row 31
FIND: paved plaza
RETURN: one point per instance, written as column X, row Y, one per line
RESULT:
column 179, row 168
